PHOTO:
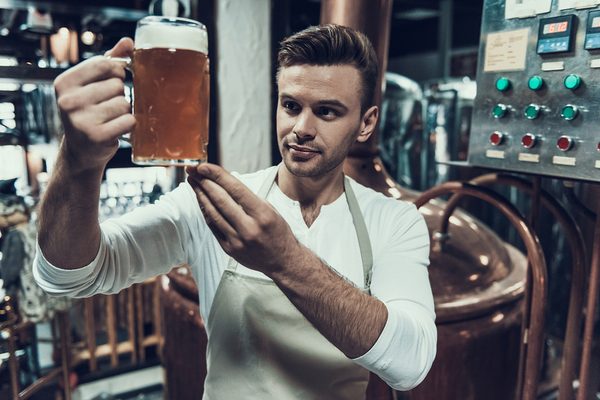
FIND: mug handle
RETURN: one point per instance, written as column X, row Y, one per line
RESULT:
column 127, row 60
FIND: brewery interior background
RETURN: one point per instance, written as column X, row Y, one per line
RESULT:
column 432, row 62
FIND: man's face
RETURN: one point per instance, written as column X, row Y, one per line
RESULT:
column 318, row 117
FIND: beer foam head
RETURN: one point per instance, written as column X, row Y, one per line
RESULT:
column 151, row 34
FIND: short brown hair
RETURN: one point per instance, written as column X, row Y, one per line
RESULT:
column 333, row 45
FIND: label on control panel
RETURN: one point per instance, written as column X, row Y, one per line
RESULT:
column 563, row 161
column 553, row 66
column 597, row 163
column 527, row 157
column 494, row 154
column 565, row 4
column 506, row 51
column 526, row 8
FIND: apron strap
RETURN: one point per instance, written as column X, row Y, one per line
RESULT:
column 362, row 233
column 268, row 183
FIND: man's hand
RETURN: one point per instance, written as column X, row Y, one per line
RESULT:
column 248, row 228
column 93, row 109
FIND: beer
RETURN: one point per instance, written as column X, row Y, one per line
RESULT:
column 171, row 93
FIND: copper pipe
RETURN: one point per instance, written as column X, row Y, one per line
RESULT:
column 588, row 335
column 534, row 334
column 576, row 242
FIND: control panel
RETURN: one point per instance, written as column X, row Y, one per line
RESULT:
column 537, row 108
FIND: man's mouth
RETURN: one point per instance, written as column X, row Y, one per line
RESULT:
column 302, row 151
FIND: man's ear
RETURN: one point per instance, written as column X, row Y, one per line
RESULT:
column 369, row 121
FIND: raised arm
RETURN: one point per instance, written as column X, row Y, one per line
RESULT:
column 94, row 115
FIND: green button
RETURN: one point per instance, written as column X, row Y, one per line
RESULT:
column 532, row 111
column 569, row 112
column 536, row 83
column 499, row 110
column 502, row 84
column 572, row 82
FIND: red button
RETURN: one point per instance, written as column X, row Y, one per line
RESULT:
column 496, row 138
column 564, row 143
column 528, row 141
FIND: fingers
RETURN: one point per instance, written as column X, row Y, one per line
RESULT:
column 93, row 93
column 99, row 115
column 219, row 205
column 95, row 104
column 117, row 127
column 216, row 222
column 124, row 48
column 95, row 69
column 241, row 195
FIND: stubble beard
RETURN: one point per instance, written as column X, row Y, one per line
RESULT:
column 320, row 165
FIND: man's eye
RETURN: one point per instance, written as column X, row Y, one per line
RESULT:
column 328, row 112
column 290, row 105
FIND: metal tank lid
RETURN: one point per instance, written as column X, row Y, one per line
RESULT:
column 475, row 272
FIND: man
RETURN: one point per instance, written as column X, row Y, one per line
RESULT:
column 307, row 280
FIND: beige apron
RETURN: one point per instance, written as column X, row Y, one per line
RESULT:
column 261, row 347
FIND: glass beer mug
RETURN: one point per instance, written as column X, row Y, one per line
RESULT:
column 171, row 88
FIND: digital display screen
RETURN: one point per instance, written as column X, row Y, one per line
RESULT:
column 557, row 34
column 557, row 27
column 592, row 32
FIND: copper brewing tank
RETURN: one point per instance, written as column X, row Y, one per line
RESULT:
column 478, row 285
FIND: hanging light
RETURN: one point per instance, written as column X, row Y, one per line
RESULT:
column 88, row 38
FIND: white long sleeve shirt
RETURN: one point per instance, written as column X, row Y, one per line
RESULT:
column 152, row 240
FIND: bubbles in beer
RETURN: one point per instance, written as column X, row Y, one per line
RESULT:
column 175, row 152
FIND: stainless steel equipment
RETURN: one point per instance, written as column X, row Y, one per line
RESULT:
column 536, row 108
column 421, row 130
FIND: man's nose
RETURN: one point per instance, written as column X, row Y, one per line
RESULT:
column 305, row 125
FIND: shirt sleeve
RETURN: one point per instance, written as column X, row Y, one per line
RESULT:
column 147, row 242
column 406, row 348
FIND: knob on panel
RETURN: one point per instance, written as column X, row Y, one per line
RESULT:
column 502, row 84
column 499, row 111
column 496, row 138
column 528, row 141
column 532, row 111
column 569, row 112
column 564, row 143
column 572, row 82
column 536, row 82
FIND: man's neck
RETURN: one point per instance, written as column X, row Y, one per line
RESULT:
column 311, row 192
